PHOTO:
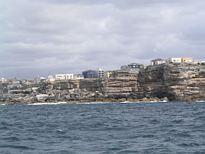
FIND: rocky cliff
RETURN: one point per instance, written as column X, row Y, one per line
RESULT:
column 185, row 82
column 175, row 81
column 121, row 84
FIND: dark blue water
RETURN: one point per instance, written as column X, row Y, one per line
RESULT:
column 157, row 128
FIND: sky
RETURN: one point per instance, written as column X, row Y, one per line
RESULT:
column 43, row 37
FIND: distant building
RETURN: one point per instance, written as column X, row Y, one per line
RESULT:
column 42, row 78
column 3, row 80
column 181, row 60
column 133, row 67
column 196, row 62
column 51, row 78
column 101, row 73
column 175, row 60
column 90, row 74
column 187, row 60
column 60, row 76
column 125, row 68
column 158, row 61
column 64, row 76
column 78, row 76
column 202, row 62
column 108, row 74
column 69, row 76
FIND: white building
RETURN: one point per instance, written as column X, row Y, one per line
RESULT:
column 69, row 76
column 60, row 76
column 158, row 61
column 202, row 62
column 187, row 59
column 181, row 60
column 101, row 73
column 64, row 76
column 3, row 80
column 42, row 78
column 51, row 78
column 78, row 76
column 175, row 60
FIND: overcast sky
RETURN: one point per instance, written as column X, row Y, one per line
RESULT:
column 42, row 37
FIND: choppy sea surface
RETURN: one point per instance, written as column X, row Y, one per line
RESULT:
column 110, row 128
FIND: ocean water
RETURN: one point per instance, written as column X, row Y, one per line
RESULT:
column 110, row 128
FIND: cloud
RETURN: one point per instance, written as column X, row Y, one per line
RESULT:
column 47, row 36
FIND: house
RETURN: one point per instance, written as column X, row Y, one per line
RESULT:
column 175, row 60
column 78, row 76
column 158, row 61
column 90, row 74
column 181, row 60
column 51, row 78
column 69, row 76
column 124, row 67
column 202, row 62
column 60, row 76
column 108, row 74
column 101, row 73
column 187, row 60
column 64, row 76
column 3, row 80
column 133, row 67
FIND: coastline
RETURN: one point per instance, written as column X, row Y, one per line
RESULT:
column 105, row 101
column 164, row 82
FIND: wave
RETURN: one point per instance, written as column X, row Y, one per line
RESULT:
column 92, row 103
column 58, row 103
column 200, row 101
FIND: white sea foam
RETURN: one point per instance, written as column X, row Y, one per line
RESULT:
column 126, row 102
column 58, row 103
column 200, row 101
column 93, row 103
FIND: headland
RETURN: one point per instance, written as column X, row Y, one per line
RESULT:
column 176, row 79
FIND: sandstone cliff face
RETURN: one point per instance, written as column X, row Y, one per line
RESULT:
column 185, row 82
column 151, row 81
column 177, row 82
column 121, row 84
column 92, row 85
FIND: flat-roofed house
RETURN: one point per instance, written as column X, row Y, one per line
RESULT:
column 133, row 67
column 90, row 74
column 175, row 60
column 108, row 74
column 51, row 78
column 202, row 62
column 78, row 76
column 69, row 76
column 187, row 60
column 158, row 61
column 101, row 73
column 60, row 76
